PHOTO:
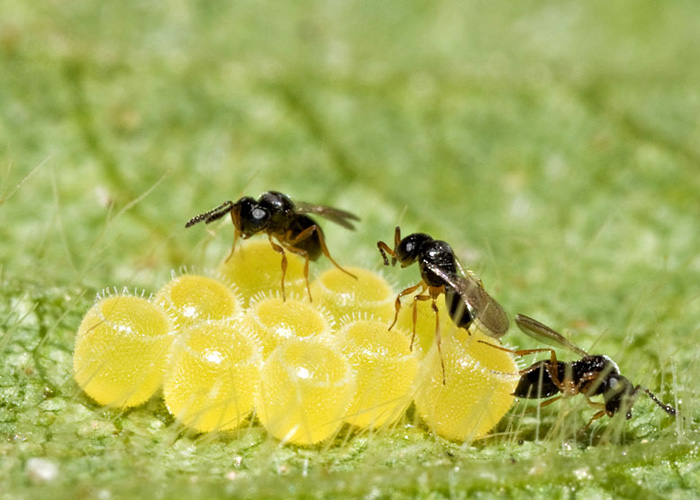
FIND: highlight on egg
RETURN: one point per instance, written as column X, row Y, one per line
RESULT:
column 385, row 371
column 342, row 295
column 121, row 349
column 305, row 390
column 190, row 298
column 212, row 374
column 273, row 320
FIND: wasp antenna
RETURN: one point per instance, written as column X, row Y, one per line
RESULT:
column 383, row 249
column 667, row 408
column 212, row 215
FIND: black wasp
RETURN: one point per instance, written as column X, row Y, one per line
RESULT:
column 592, row 375
column 286, row 221
column 441, row 272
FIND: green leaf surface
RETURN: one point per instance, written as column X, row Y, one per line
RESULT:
column 555, row 145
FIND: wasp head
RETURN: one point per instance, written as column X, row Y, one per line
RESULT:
column 408, row 249
column 618, row 394
column 249, row 217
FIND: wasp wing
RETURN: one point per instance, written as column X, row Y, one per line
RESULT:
column 336, row 215
column 543, row 333
column 489, row 315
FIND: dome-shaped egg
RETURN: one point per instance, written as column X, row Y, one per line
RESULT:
column 343, row 295
column 479, row 382
column 256, row 268
column 212, row 375
column 190, row 298
column 306, row 387
column 385, row 371
column 121, row 349
column 273, row 320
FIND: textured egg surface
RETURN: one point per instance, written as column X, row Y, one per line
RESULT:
column 343, row 295
column 213, row 373
column 385, row 371
column 120, row 350
column 306, row 387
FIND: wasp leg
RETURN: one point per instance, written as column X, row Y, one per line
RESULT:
column 304, row 254
column 433, row 294
column 553, row 369
column 414, row 310
column 278, row 248
column 596, row 415
column 520, row 352
column 322, row 240
column 438, row 336
column 233, row 247
column 397, row 302
column 549, row 401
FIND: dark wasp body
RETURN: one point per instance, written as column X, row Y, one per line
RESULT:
column 441, row 272
column 287, row 222
column 592, row 375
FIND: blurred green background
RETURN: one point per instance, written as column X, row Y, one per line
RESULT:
column 556, row 145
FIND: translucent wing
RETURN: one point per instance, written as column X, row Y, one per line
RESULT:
column 332, row 214
column 543, row 333
column 489, row 315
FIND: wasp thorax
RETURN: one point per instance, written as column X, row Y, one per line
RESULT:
column 212, row 374
column 478, row 386
column 343, row 295
column 385, row 371
column 121, row 349
column 306, row 387
column 274, row 320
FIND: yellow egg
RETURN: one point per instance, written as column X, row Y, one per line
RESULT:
column 121, row 349
column 306, row 387
column 191, row 298
column 474, row 398
column 213, row 373
column 343, row 295
column 425, row 321
column 255, row 268
column 385, row 371
column 273, row 320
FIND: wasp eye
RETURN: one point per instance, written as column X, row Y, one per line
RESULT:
column 258, row 214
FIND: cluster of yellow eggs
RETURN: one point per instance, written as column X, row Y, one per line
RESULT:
column 225, row 346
